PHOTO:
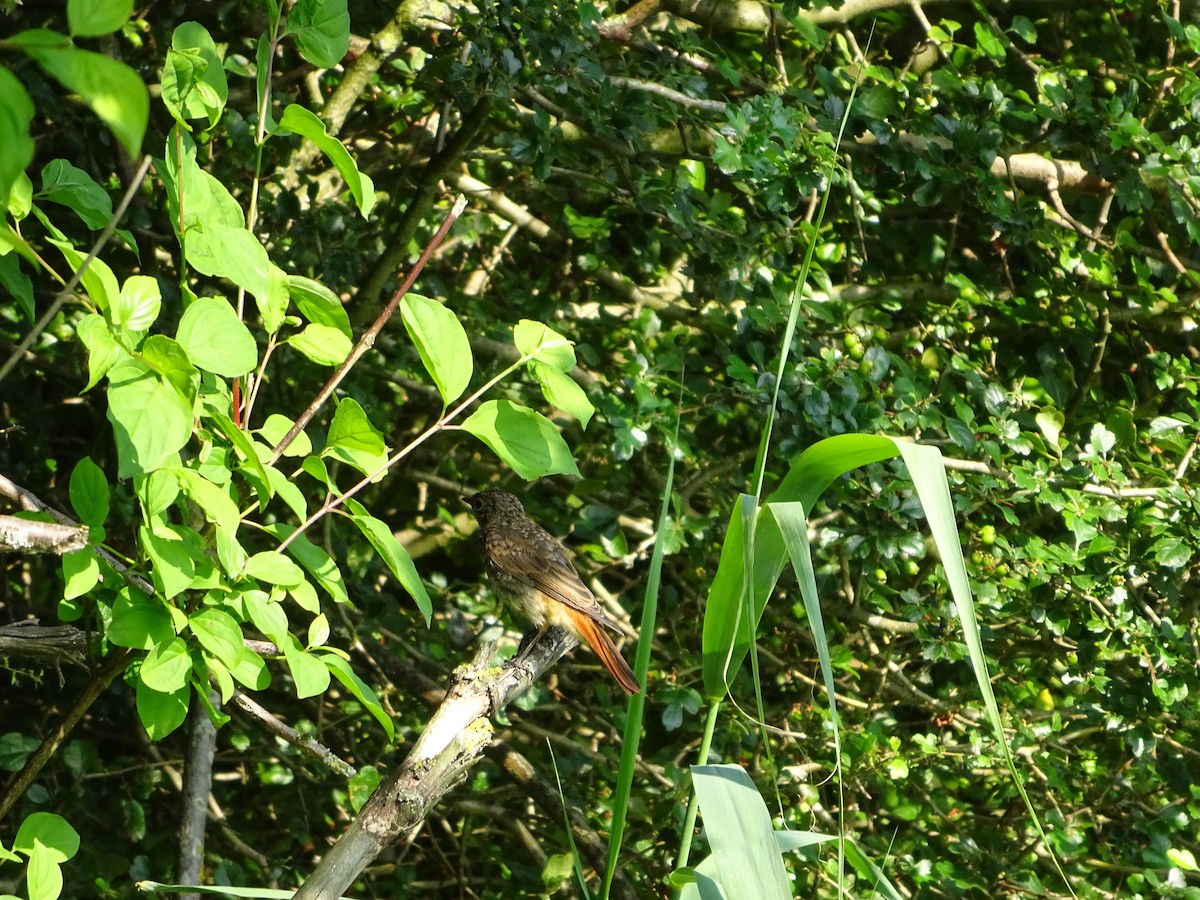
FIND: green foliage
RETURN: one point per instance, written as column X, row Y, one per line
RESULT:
column 45, row 841
column 1004, row 271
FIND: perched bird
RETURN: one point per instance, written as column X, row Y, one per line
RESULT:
column 532, row 573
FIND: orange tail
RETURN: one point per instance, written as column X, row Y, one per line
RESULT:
column 597, row 638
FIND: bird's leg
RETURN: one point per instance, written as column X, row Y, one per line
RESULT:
column 528, row 639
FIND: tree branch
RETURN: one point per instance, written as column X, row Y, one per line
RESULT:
column 28, row 536
column 449, row 747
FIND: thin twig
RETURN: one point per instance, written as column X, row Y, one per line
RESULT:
column 982, row 468
column 368, row 339
column 651, row 87
column 309, row 745
column 1104, row 329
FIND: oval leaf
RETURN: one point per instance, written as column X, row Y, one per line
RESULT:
column 215, row 339
column 524, row 439
column 544, row 344
column 440, row 339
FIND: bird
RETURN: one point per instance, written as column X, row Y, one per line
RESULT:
column 533, row 575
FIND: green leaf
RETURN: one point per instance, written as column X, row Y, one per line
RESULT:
column 75, row 189
column 1183, row 858
column 315, row 466
column 287, row 491
column 544, row 344
column 727, row 623
column 366, row 696
column 193, row 80
column 215, row 339
column 1050, row 422
column 252, row 671
column 316, row 561
column 362, row 785
column 263, row 68
column 20, row 205
column 371, row 464
column 524, row 439
column 151, row 422
column 168, row 666
column 139, row 622
column 738, row 826
column 174, row 567
column 268, row 617
column 12, row 279
column 16, row 117
column 273, row 303
column 1171, row 552
column 230, row 552
column 161, row 713
column 137, row 306
column 561, row 390
column 218, row 506
column 322, row 30
column 318, row 304
column 103, row 351
column 48, row 841
column 81, row 573
column 230, row 251
column 52, row 832
column 219, row 634
column 205, row 201
column 274, row 568
column 90, row 493
column 113, row 91
column 218, row 674
column 394, row 554
column 322, row 344
column 244, row 445
column 308, row 670
column 156, row 492
column 274, row 429
column 303, row 122
column 43, row 874
column 442, row 343
column 1024, row 29
column 90, row 18
column 352, row 429
column 169, row 360
column 989, row 44
column 318, row 631
column 98, row 279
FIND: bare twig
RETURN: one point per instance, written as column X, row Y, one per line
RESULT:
column 368, row 339
column 971, row 465
column 26, row 536
column 307, row 744
column 1103, row 331
column 52, row 644
column 30, row 501
column 650, row 87
column 438, row 167
column 754, row 17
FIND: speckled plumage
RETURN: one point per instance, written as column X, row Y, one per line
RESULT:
column 532, row 573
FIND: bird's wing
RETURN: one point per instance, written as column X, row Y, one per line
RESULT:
column 554, row 577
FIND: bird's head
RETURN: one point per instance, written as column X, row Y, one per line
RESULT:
column 494, row 503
